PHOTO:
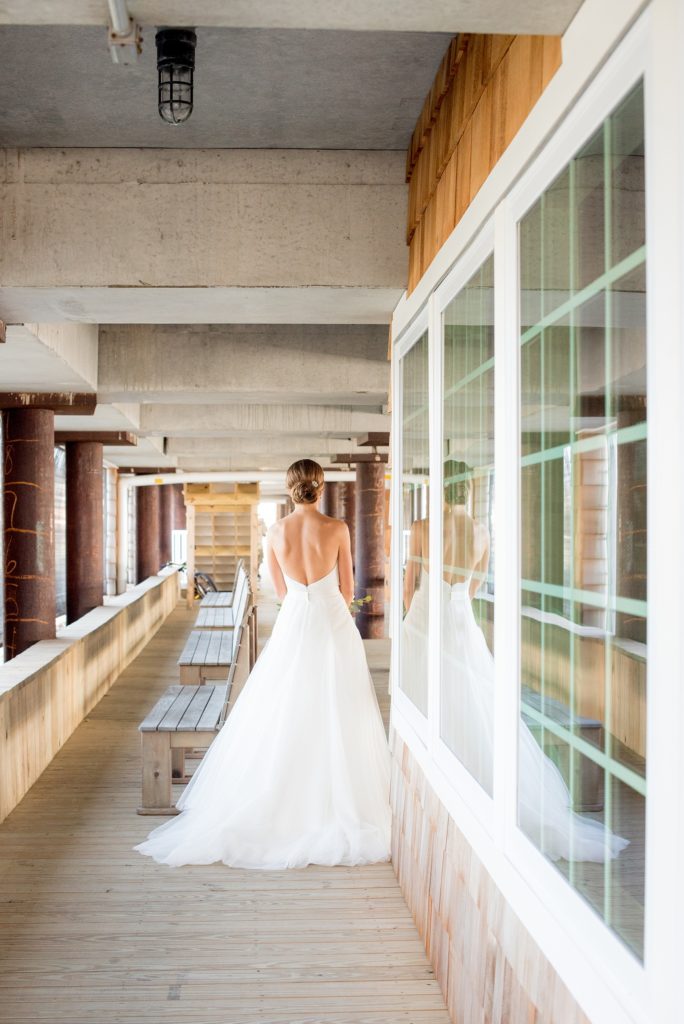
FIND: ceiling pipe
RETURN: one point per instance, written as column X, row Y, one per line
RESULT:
column 120, row 18
column 124, row 37
column 236, row 476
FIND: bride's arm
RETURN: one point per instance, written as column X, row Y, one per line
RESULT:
column 345, row 566
column 274, row 569
column 481, row 567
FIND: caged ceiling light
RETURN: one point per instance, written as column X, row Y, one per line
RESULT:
column 175, row 67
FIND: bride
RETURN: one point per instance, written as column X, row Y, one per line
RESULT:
column 299, row 774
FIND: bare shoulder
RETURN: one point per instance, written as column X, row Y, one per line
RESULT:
column 331, row 523
column 341, row 528
column 420, row 527
column 275, row 530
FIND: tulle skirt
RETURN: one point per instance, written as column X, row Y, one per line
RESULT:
column 299, row 774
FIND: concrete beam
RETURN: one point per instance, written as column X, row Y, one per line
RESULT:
column 245, row 420
column 257, row 444
column 308, row 304
column 542, row 16
column 257, row 463
column 244, row 362
column 153, row 218
column 49, row 357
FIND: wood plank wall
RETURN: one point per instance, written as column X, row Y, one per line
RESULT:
column 484, row 89
column 489, row 968
column 47, row 691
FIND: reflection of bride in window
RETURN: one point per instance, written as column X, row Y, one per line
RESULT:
column 467, row 680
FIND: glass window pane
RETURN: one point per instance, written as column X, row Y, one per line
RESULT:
column 582, row 755
column 467, row 576
column 414, row 523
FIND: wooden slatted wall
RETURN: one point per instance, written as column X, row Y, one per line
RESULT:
column 487, row 964
column 485, row 88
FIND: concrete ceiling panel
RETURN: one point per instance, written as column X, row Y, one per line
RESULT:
column 209, row 363
column 550, row 16
column 275, row 88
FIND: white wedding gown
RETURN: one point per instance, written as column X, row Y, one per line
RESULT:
column 299, row 773
column 467, row 726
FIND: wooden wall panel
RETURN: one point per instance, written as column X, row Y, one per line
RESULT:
column 47, row 691
column 484, row 89
column 488, row 966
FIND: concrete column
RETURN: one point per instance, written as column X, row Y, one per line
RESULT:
column 147, row 532
column 180, row 516
column 330, row 499
column 84, row 528
column 28, row 528
column 370, row 547
column 166, row 517
column 346, row 509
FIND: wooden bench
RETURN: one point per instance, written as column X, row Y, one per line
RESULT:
column 208, row 654
column 226, row 598
column 220, row 617
column 185, row 718
column 242, row 611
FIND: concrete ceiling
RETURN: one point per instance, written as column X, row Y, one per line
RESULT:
column 273, row 88
column 297, row 75
column 541, row 16
column 210, row 397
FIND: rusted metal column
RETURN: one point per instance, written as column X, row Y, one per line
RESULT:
column 330, row 499
column 370, row 547
column 166, row 517
column 180, row 516
column 147, row 532
column 28, row 528
column 346, row 509
column 84, row 528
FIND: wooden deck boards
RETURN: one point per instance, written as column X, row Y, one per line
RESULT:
column 92, row 932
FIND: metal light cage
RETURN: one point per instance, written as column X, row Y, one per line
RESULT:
column 176, row 66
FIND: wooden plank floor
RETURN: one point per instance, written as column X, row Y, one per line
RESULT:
column 91, row 931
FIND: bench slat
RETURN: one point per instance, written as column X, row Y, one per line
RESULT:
column 151, row 722
column 195, row 708
column 173, row 716
column 219, row 599
column 200, row 655
column 212, row 712
column 188, row 651
column 227, row 646
column 214, row 618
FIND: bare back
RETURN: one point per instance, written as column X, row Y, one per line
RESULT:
column 465, row 549
column 306, row 546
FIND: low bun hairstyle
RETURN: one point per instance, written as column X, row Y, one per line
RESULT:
column 456, row 492
column 304, row 481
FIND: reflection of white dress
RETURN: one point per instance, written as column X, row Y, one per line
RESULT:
column 467, row 727
column 299, row 774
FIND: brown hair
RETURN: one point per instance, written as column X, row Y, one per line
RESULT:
column 304, row 481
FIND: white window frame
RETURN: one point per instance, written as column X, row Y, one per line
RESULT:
column 472, row 793
column 401, row 703
column 606, row 979
column 622, row 72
